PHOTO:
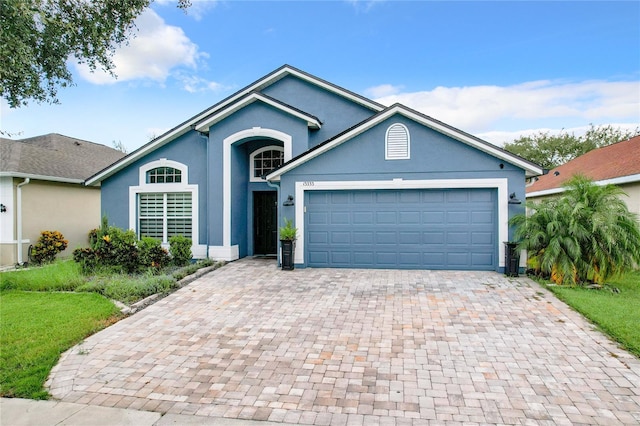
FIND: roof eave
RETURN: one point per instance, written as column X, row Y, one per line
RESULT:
column 620, row 180
column 183, row 128
column 529, row 168
column 41, row 177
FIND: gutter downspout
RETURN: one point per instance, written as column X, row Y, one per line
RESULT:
column 19, row 217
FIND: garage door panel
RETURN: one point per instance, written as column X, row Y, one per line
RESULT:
column 483, row 217
column 340, row 218
column 318, row 237
column 458, row 217
column 340, row 257
column 409, row 237
column 318, row 218
column 385, row 237
column 341, row 237
column 432, row 229
column 363, row 218
column 387, row 259
column 434, row 217
column 409, row 218
column 363, row 237
column 458, row 238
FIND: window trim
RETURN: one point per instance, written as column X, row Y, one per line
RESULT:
column 253, row 178
column 144, row 187
column 386, row 143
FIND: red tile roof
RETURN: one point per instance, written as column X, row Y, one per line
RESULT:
column 613, row 161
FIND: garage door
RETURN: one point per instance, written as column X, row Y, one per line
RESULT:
column 409, row 229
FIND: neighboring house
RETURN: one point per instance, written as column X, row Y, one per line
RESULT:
column 617, row 164
column 42, row 188
column 367, row 186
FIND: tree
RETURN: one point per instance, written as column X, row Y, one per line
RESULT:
column 586, row 234
column 39, row 37
column 551, row 150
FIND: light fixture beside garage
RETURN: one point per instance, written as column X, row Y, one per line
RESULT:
column 289, row 201
column 513, row 199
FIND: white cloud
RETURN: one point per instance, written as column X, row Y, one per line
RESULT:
column 545, row 103
column 194, row 84
column 156, row 49
column 383, row 90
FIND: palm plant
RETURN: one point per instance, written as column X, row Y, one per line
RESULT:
column 586, row 234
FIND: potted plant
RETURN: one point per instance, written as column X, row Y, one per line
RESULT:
column 288, row 244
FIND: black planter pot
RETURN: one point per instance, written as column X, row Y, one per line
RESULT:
column 288, row 248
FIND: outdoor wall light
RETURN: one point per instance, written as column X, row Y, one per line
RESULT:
column 3, row 208
column 513, row 199
column 289, row 201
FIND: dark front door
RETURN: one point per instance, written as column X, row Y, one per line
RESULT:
column 265, row 232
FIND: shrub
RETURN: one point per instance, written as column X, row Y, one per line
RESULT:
column 48, row 246
column 587, row 234
column 152, row 255
column 180, row 248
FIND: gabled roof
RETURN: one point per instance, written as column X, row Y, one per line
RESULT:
column 530, row 168
column 197, row 120
column 54, row 157
column 219, row 115
column 617, row 163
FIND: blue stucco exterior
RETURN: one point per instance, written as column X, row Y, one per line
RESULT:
column 345, row 145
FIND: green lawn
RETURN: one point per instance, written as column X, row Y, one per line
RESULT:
column 37, row 327
column 617, row 314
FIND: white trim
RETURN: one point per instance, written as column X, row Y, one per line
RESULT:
column 226, row 253
column 41, row 177
column 386, row 143
column 203, row 126
column 613, row 181
column 183, row 186
column 501, row 184
column 163, row 162
column 192, row 122
column 252, row 178
column 256, row 132
column 530, row 169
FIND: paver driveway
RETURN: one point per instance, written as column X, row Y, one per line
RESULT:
column 330, row 346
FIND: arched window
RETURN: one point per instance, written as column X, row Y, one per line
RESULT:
column 264, row 160
column 164, row 175
column 397, row 142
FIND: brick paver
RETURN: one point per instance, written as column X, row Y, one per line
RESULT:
column 357, row 347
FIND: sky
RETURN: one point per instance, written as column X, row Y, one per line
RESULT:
column 498, row 70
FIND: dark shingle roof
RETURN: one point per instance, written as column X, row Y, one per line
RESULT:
column 55, row 156
column 609, row 162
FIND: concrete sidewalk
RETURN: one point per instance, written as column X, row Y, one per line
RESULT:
column 26, row 412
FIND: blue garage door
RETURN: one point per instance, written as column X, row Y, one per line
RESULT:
column 408, row 229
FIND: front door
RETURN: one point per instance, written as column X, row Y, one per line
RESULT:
column 265, row 213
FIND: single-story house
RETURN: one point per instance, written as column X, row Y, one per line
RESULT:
column 617, row 164
column 366, row 185
column 42, row 189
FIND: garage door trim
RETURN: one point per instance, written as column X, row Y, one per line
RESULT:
column 500, row 184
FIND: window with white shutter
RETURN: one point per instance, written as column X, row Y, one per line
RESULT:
column 164, row 215
column 397, row 142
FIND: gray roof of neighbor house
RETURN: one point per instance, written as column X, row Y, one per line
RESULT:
column 54, row 157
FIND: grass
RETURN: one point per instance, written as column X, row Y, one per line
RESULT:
column 37, row 327
column 59, row 276
column 616, row 314
column 67, row 275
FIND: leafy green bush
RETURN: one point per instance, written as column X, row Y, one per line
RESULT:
column 587, row 234
column 152, row 255
column 180, row 248
column 48, row 246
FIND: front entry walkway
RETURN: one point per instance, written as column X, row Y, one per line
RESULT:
column 331, row 346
